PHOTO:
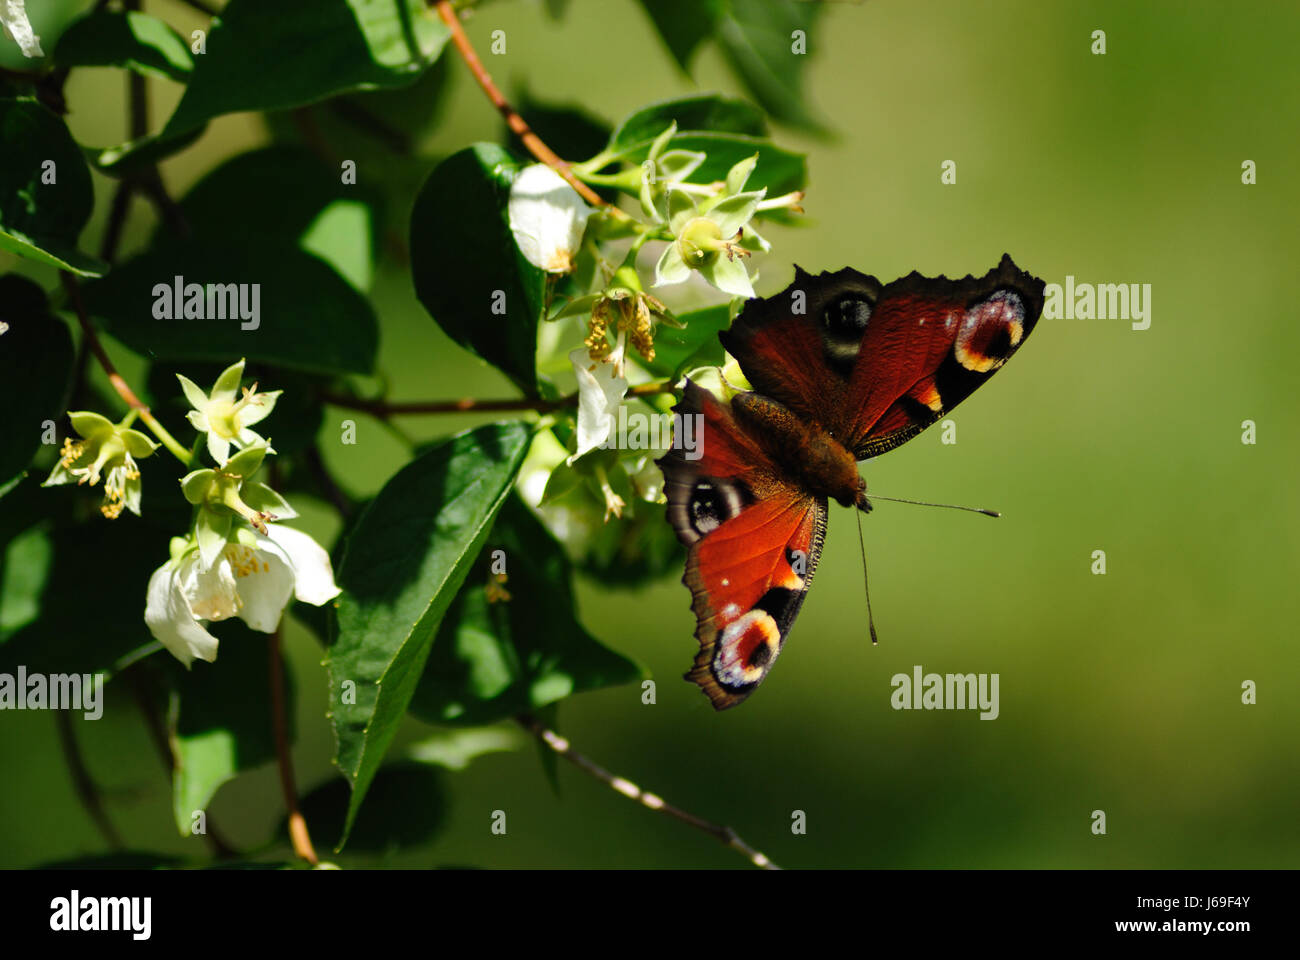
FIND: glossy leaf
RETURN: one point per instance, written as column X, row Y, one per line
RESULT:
column 337, row 45
column 708, row 113
column 45, row 191
column 402, row 566
column 467, row 268
column 132, row 40
column 222, row 722
column 495, row 657
column 36, row 363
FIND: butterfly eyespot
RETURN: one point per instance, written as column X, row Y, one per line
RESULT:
column 990, row 331
column 712, row 503
column 846, row 317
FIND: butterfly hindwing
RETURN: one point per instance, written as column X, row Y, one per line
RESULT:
column 753, row 541
column 877, row 363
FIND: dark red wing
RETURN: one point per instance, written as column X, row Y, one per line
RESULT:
column 752, row 540
column 875, row 364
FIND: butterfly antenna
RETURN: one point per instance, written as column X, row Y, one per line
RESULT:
column 925, row 503
column 862, row 544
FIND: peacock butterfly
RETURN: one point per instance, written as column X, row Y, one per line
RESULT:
column 862, row 368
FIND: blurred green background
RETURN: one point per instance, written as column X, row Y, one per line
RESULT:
column 1119, row 692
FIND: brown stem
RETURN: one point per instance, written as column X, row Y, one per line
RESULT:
column 381, row 408
column 650, row 801
column 298, row 834
column 92, row 339
column 83, row 782
column 513, row 120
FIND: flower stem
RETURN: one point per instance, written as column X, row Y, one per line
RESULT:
column 514, row 121
column 650, row 801
column 298, row 834
column 118, row 382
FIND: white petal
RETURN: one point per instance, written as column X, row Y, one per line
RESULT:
column 193, row 392
column 218, row 448
column 260, row 409
column 265, row 581
column 13, row 16
column 169, row 619
column 211, row 593
column 599, row 395
column 313, row 575
column 547, row 218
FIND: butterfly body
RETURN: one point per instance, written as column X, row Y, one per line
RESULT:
column 843, row 368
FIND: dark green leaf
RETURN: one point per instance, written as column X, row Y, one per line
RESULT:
column 401, row 567
column 222, row 726
column 309, row 50
column 309, row 318
column 779, row 170
column 45, row 191
column 132, row 40
column 710, row 113
column 106, row 565
column 405, row 807
column 641, row 548
column 35, row 370
column 695, row 345
column 493, row 657
column 456, row 749
column 136, row 155
column 758, row 38
column 464, row 261
column 684, row 24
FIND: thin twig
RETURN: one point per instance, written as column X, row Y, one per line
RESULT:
column 84, row 784
column 380, row 408
column 118, row 382
column 298, row 834
column 513, row 120
column 650, row 801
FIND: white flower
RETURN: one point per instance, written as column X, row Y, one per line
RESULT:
column 252, row 578
column 599, row 394
column 13, row 19
column 223, row 418
column 547, row 218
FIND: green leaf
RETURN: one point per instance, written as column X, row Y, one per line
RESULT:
column 684, row 24
column 308, row 51
column 305, row 240
column 136, row 155
column 132, row 40
column 465, row 262
column 707, row 113
column 494, row 658
column 456, row 749
column 778, row 169
column 401, row 567
column 24, row 570
column 45, row 191
column 308, row 317
column 406, row 806
column 106, row 565
column 221, row 725
column 694, row 345
column 757, row 38
column 36, row 364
